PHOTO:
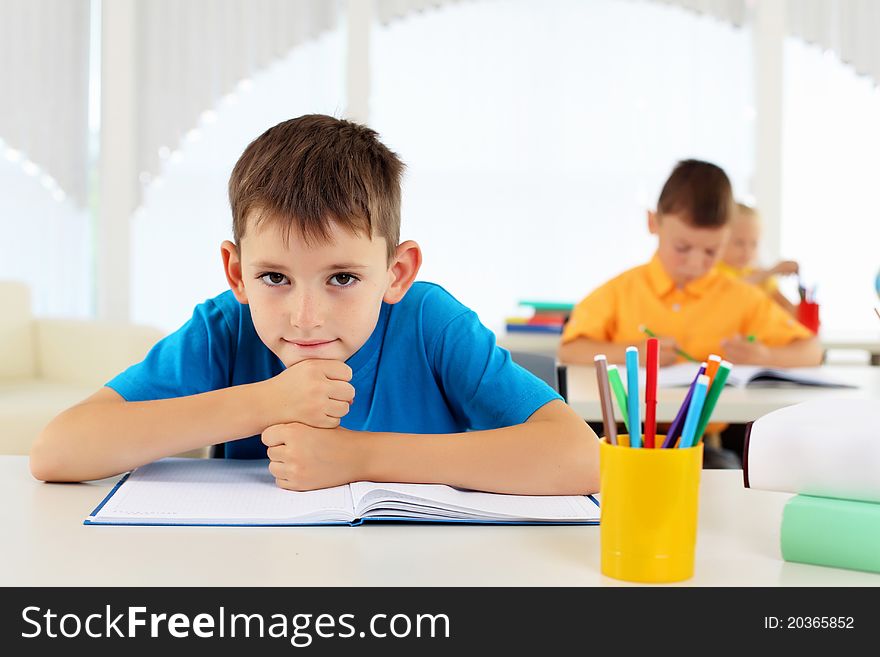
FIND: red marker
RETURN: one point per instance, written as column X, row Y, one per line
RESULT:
column 651, row 392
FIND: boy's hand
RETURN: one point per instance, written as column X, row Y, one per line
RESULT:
column 785, row 267
column 305, row 458
column 315, row 392
column 739, row 350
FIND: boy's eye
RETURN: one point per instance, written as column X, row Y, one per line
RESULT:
column 273, row 279
column 342, row 280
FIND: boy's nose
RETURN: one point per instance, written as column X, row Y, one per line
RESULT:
column 306, row 311
column 697, row 266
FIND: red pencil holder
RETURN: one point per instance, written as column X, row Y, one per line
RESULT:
column 808, row 315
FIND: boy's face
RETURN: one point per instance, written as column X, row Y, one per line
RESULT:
column 745, row 232
column 687, row 252
column 316, row 300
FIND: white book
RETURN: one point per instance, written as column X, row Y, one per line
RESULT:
column 742, row 376
column 824, row 448
column 180, row 491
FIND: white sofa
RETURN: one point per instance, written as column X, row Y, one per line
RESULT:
column 47, row 365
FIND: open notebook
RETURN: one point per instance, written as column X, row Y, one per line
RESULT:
column 750, row 375
column 180, row 491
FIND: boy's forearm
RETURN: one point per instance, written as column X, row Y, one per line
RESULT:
column 800, row 353
column 758, row 276
column 103, row 438
column 581, row 351
column 550, row 457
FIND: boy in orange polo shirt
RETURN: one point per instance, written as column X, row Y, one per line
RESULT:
column 681, row 296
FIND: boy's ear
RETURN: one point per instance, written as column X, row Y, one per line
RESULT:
column 404, row 268
column 653, row 222
column 232, row 269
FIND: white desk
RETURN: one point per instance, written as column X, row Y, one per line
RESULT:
column 853, row 340
column 734, row 405
column 45, row 543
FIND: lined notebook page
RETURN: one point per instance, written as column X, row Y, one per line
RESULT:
column 465, row 503
column 218, row 491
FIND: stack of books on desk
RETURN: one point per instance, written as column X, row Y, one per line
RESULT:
column 545, row 317
column 828, row 452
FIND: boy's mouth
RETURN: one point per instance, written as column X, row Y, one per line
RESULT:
column 310, row 344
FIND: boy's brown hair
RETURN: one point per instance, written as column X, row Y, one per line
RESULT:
column 698, row 192
column 313, row 170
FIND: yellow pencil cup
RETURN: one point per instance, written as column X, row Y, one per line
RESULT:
column 649, row 500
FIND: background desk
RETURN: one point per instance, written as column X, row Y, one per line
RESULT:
column 734, row 405
column 45, row 543
column 536, row 343
column 867, row 341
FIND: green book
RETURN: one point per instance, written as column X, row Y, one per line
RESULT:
column 827, row 531
column 548, row 306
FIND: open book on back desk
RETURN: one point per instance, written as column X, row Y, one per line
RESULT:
column 182, row 491
column 742, row 376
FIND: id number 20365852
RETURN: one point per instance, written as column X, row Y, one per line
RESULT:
column 809, row 622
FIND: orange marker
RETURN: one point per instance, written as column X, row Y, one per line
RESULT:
column 712, row 364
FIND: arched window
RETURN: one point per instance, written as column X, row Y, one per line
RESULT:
column 831, row 156
column 45, row 237
column 537, row 135
column 176, row 233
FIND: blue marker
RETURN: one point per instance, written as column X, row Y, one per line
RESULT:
column 694, row 411
column 632, row 397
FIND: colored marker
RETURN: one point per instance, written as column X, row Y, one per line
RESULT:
column 652, row 366
column 694, row 411
column 712, row 398
column 681, row 352
column 619, row 393
column 751, row 337
column 677, row 424
column 632, row 397
column 608, row 420
column 712, row 364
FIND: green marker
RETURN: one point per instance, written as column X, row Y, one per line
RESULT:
column 712, row 399
column 619, row 393
column 751, row 337
column 681, row 352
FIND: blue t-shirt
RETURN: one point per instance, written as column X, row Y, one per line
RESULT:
column 429, row 366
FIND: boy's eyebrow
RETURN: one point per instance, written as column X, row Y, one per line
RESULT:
column 346, row 265
column 267, row 265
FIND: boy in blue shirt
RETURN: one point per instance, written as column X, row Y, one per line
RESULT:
column 325, row 355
